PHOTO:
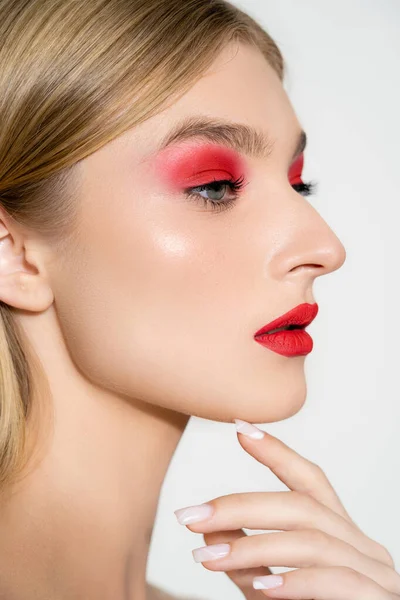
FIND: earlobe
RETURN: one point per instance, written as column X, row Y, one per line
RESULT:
column 20, row 286
column 26, row 291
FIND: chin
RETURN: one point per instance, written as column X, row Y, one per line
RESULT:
column 273, row 403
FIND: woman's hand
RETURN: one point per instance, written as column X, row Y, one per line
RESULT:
column 333, row 558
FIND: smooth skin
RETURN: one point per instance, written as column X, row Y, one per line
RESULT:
column 332, row 559
column 130, row 323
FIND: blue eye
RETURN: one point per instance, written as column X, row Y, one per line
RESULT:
column 217, row 201
column 214, row 187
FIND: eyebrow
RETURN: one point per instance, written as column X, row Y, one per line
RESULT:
column 242, row 138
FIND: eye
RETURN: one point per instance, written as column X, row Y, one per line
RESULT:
column 216, row 191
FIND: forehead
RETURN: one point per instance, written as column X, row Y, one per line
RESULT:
column 240, row 87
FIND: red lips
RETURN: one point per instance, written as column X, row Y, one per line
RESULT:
column 302, row 315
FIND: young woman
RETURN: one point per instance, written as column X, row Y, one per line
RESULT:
column 152, row 224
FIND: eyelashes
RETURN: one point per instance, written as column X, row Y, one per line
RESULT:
column 306, row 188
column 235, row 186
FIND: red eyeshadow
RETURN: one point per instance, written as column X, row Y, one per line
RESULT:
column 296, row 169
column 189, row 166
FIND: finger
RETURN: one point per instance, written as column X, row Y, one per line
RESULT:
column 242, row 578
column 306, row 548
column 280, row 511
column 295, row 471
column 301, row 475
column 329, row 583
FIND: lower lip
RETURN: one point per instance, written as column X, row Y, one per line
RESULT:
column 292, row 342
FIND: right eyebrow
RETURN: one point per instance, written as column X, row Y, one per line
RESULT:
column 239, row 136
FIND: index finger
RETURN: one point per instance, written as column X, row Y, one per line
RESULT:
column 299, row 474
column 295, row 471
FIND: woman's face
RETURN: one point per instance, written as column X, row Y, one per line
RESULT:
column 161, row 295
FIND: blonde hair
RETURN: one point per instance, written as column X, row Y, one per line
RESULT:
column 73, row 76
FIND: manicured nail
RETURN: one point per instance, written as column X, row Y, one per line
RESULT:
column 193, row 514
column 211, row 552
column 268, row 582
column 249, row 430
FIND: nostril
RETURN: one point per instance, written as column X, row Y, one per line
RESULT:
column 312, row 265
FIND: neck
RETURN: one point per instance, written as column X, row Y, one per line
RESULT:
column 85, row 513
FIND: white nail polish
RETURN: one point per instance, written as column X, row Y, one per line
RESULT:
column 250, row 430
column 267, row 582
column 193, row 514
column 211, row 552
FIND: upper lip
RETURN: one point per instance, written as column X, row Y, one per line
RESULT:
column 301, row 315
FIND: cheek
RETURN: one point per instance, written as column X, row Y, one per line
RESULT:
column 133, row 280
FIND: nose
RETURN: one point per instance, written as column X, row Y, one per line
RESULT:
column 309, row 246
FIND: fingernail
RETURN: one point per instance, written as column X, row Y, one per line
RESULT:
column 249, row 430
column 268, row 582
column 211, row 552
column 193, row 514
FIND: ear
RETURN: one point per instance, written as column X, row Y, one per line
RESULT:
column 23, row 284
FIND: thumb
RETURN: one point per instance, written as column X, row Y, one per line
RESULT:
column 242, row 578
